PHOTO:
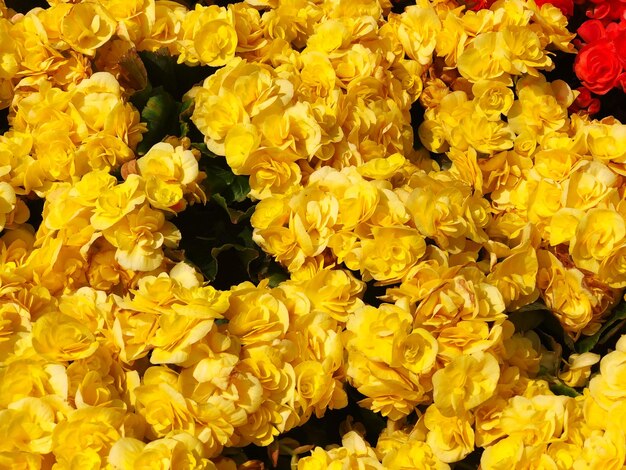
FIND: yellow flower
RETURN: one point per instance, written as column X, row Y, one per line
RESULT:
column 167, row 170
column 450, row 437
column 613, row 268
column 536, row 420
column 505, row 454
column 606, row 450
column 140, row 237
column 416, row 29
column 598, row 232
column 272, row 171
column 216, row 115
column 541, row 107
column 313, row 386
column 590, row 184
column 180, row 450
column 334, row 291
column 103, row 151
column 564, row 292
column 8, row 202
column 416, row 351
column 485, row 58
column 372, row 330
column 465, row 383
column 62, row 338
column 607, row 388
column 255, row 315
column 579, row 369
column 87, row 26
column 165, row 409
column 515, row 276
column 87, row 436
column 606, row 141
column 215, row 42
column 389, row 255
column 354, row 453
column 114, row 204
column 413, row 454
column 492, row 98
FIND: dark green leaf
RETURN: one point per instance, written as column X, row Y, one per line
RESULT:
column 177, row 79
column 220, row 179
column 235, row 215
column 243, row 254
column 204, row 150
column 529, row 319
column 559, row 388
column 240, row 187
column 160, row 65
column 608, row 329
column 276, row 278
column 552, row 326
column 158, row 114
column 140, row 98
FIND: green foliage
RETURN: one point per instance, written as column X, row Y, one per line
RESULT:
column 613, row 324
column 159, row 114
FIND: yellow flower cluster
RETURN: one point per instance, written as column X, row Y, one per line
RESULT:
column 115, row 355
column 217, row 368
column 277, row 113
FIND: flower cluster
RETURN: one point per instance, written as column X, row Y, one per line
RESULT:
column 601, row 61
column 343, row 100
column 429, row 192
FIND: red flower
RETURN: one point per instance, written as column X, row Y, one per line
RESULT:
column 566, row 6
column 617, row 33
column 598, row 66
column 585, row 103
column 607, row 10
column 591, row 30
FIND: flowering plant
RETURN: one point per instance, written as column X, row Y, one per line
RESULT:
column 312, row 234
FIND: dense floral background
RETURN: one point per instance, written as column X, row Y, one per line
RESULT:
column 312, row 234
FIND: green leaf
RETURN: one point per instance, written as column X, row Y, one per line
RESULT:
column 220, row 179
column 158, row 114
column 275, row 273
column 611, row 326
column 204, row 150
column 552, row 326
column 244, row 254
column 559, row 388
column 159, row 64
column 240, row 187
column 529, row 319
column 235, row 215
column 184, row 116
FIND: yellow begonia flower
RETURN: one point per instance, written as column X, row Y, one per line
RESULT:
column 564, row 292
column 354, row 453
column 417, row 29
column 167, row 170
column 465, row 383
column 73, row 439
column 114, row 204
column 450, row 437
column 62, row 338
column 87, row 26
column 208, row 36
column 598, row 232
column 256, row 316
column 8, row 202
column 578, row 369
column 505, row 454
column 181, row 450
